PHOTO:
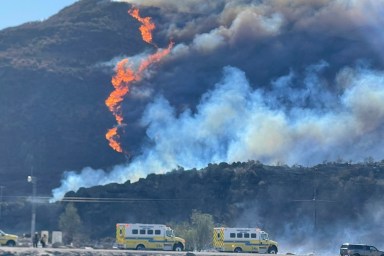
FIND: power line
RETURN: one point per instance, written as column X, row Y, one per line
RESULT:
column 115, row 200
column 46, row 199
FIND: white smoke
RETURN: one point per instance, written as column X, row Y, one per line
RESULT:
column 234, row 122
column 300, row 236
column 362, row 230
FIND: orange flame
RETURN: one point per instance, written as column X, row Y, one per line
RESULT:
column 113, row 137
column 156, row 57
column 120, row 82
column 125, row 75
column 146, row 27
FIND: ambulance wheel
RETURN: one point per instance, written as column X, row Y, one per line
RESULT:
column 11, row 243
column 272, row 250
column 238, row 249
column 178, row 247
column 140, row 247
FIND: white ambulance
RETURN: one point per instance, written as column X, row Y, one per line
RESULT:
column 147, row 237
column 243, row 240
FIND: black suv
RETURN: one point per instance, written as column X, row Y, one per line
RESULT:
column 359, row 250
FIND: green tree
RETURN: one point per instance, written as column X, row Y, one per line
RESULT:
column 202, row 225
column 184, row 230
column 198, row 232
column 70, row 223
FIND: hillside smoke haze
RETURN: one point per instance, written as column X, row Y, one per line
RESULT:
column 274, row 81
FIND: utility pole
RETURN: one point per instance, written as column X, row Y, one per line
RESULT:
column 33, row 180
column 314, row 200
column 1, row 204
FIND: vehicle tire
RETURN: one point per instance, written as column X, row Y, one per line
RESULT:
column 356, row 254
column 272, row 250
column 178, row 247
column 238, row 249
column 10, row 243
column 140, row 247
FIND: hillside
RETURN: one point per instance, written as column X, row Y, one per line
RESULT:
column 249, row 194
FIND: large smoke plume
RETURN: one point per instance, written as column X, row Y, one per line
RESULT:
column 276, row 81
column 234, row 122
column 279, row 81
column 310, row 112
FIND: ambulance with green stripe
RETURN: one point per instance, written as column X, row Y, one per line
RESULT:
column 138, row 236
column 243, row 240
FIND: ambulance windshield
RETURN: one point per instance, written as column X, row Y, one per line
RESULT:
column 264, row 236
column 169, row 232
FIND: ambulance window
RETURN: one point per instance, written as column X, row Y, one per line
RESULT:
column 157, row 232
column 253, row 235
column 135, row 231
column 218, row 235
column 150, row 232
column 239, row 235
column 232, row 235
column 246, row 235
column 142, row 231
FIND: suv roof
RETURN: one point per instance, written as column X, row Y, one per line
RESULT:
column 347, row 245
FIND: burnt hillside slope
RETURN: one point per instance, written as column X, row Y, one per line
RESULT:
column 53, row 87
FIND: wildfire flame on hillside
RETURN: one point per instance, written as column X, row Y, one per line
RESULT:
column 147, row 26
column 125, row 75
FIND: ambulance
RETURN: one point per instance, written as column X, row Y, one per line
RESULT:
column 147, row 237
column 8, row 239
column 252, row 240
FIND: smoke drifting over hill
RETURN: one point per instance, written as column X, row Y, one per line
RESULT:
column 275, row 81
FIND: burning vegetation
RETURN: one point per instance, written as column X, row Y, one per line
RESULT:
column 126, row 75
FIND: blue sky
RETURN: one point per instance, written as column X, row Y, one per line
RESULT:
column 17, row 12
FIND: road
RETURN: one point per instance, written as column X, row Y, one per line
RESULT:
column 28, row 251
